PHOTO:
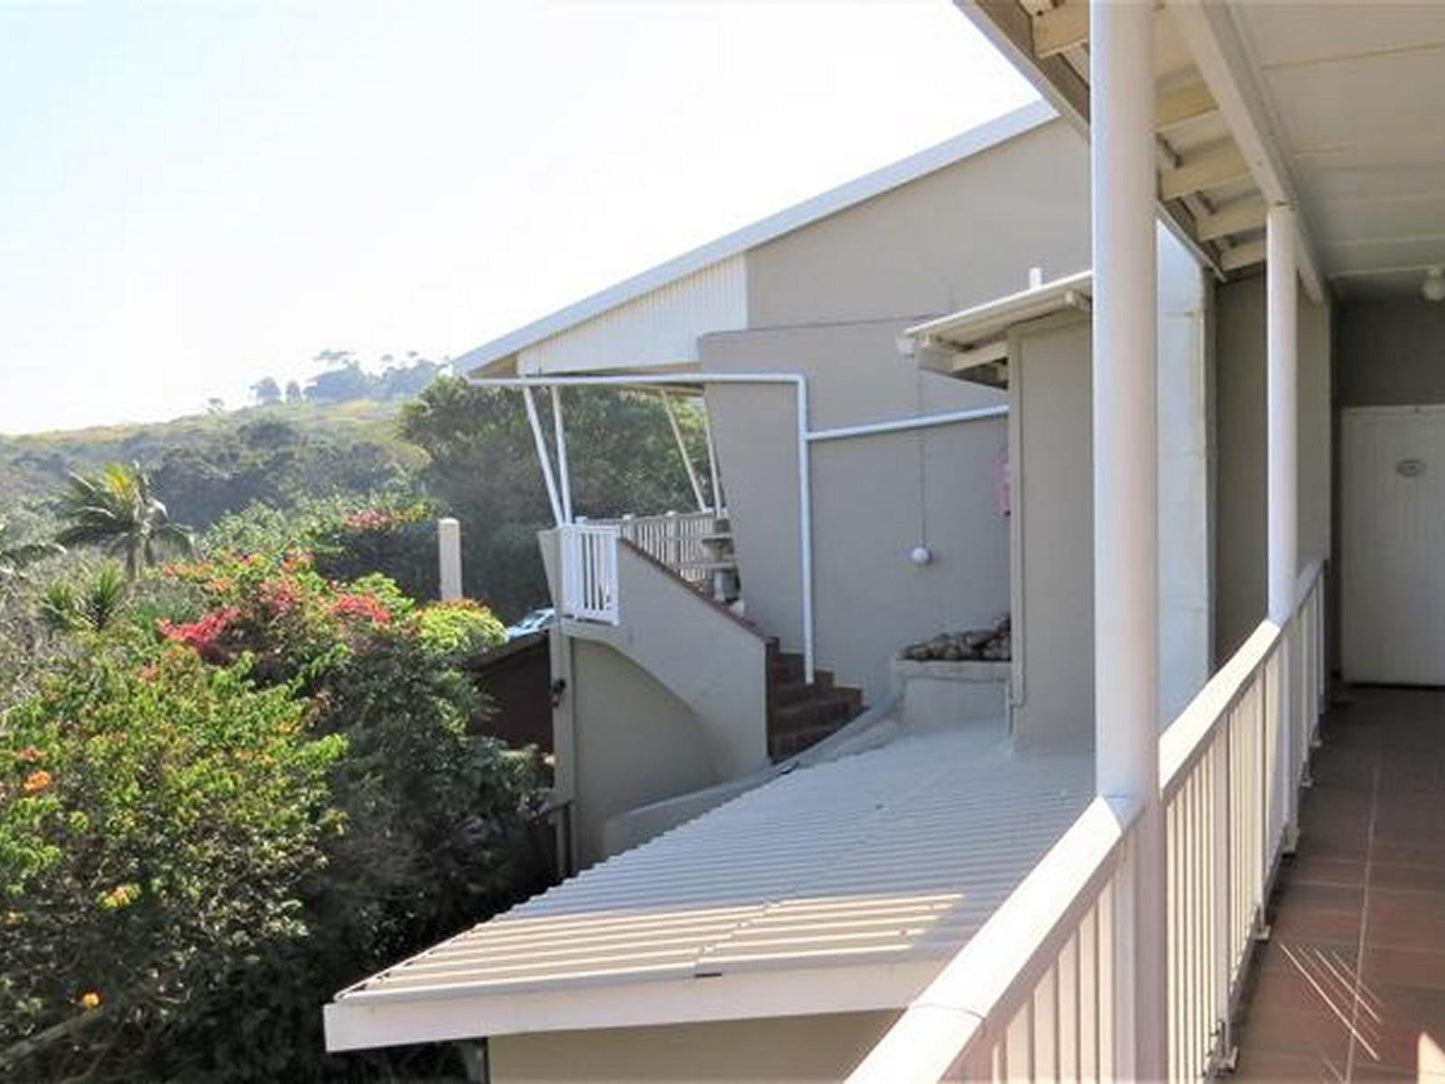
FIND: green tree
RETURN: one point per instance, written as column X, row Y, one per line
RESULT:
column 484, row 471
column 116, row 512
column 266, row 391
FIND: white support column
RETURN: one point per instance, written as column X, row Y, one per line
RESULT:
column 543, row 456
column 564, row 473
column 712, row 466
column 1283, row 364
column 1126, row 559
column 682, row 451
column 449, row 555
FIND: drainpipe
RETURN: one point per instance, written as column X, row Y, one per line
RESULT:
column 1126, row 498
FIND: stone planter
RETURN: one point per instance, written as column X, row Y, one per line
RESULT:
column 940, row 694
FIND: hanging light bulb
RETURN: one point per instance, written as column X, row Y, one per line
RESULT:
column 1433, row 288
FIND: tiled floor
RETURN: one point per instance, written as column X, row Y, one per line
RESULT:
column 1351, row 984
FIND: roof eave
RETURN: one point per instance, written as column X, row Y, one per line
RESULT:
column 357, row 1022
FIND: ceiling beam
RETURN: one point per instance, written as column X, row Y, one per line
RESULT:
column 1214, row 43
column 1060, row 29
column 1182, row 105
column 1241, row 256
column 1009, row 29
column 1213, row 169
column 1240, row 216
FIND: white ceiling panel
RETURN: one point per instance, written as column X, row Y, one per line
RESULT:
column 1354, row 92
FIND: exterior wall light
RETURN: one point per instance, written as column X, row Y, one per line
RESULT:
column 920, row 555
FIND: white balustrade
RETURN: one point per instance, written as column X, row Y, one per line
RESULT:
column 588, row 553
column 674, row 539
column 1040, row 992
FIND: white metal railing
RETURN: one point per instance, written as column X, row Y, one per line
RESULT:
column 588, row 554
column 1035, row 994
column 675, row 539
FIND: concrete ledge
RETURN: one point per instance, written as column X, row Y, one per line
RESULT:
column 939, row 694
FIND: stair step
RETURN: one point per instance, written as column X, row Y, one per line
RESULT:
column 792, row 691
column 835, row 706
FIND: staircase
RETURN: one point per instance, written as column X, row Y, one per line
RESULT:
column 803, row 713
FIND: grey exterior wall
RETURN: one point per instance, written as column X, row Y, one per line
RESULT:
column 1390, row 352
column 1242, row 526
column 874, row 498
column 675, row 699
column 1052, row 479
column 959, row 237
column 781, row 1050
column 635, row 743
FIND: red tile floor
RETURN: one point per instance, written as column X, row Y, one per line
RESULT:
column 1351, row 984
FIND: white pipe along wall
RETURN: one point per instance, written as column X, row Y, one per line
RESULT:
column 805, row 439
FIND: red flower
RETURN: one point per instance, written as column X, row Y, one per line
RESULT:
column 203, row 636
column 363, row 606
column 280, row 596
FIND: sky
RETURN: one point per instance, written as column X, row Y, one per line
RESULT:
column 194, row 195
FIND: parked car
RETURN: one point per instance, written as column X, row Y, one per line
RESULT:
column 535, row 621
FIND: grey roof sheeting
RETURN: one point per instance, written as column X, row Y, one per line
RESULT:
column 889, row 856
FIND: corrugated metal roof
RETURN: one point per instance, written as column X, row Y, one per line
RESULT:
column 887, row 857
column 494, row 355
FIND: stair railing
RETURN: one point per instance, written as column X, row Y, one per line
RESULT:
column 589, row 572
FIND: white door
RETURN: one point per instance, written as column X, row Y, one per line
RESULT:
column 1393, row 552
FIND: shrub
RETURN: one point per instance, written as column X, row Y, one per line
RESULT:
column 459, row 628
column 156, row 815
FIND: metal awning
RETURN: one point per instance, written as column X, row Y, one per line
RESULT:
column 973, row 343
column 840, row 887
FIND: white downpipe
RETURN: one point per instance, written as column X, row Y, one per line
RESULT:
column 1283, row 455
column 799, row 384
column 903, row 425
column 542, row 455
column 564, row 473
column 682, row 450
column 712, row 468
column 1126, row 560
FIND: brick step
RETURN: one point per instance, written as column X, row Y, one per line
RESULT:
column 835, row 707
column 784, row 693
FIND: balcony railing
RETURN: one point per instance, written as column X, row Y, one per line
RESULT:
column 676, row 539
column 588, row 553
column 682, row 542
column 1035, row 994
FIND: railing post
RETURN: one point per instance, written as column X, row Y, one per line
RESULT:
column 1125, row 439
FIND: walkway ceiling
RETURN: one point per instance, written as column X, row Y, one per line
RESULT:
column 1333, row 105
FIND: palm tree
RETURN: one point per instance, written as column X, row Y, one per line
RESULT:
column 116, row 511
column 16, row 556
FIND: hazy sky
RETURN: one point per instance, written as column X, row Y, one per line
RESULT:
column 194, row 195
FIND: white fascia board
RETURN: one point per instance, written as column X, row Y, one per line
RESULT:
column 960, row 147
column 984, row 323
column 356, row 1021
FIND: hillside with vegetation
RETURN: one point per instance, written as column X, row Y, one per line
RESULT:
column 244, row 754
